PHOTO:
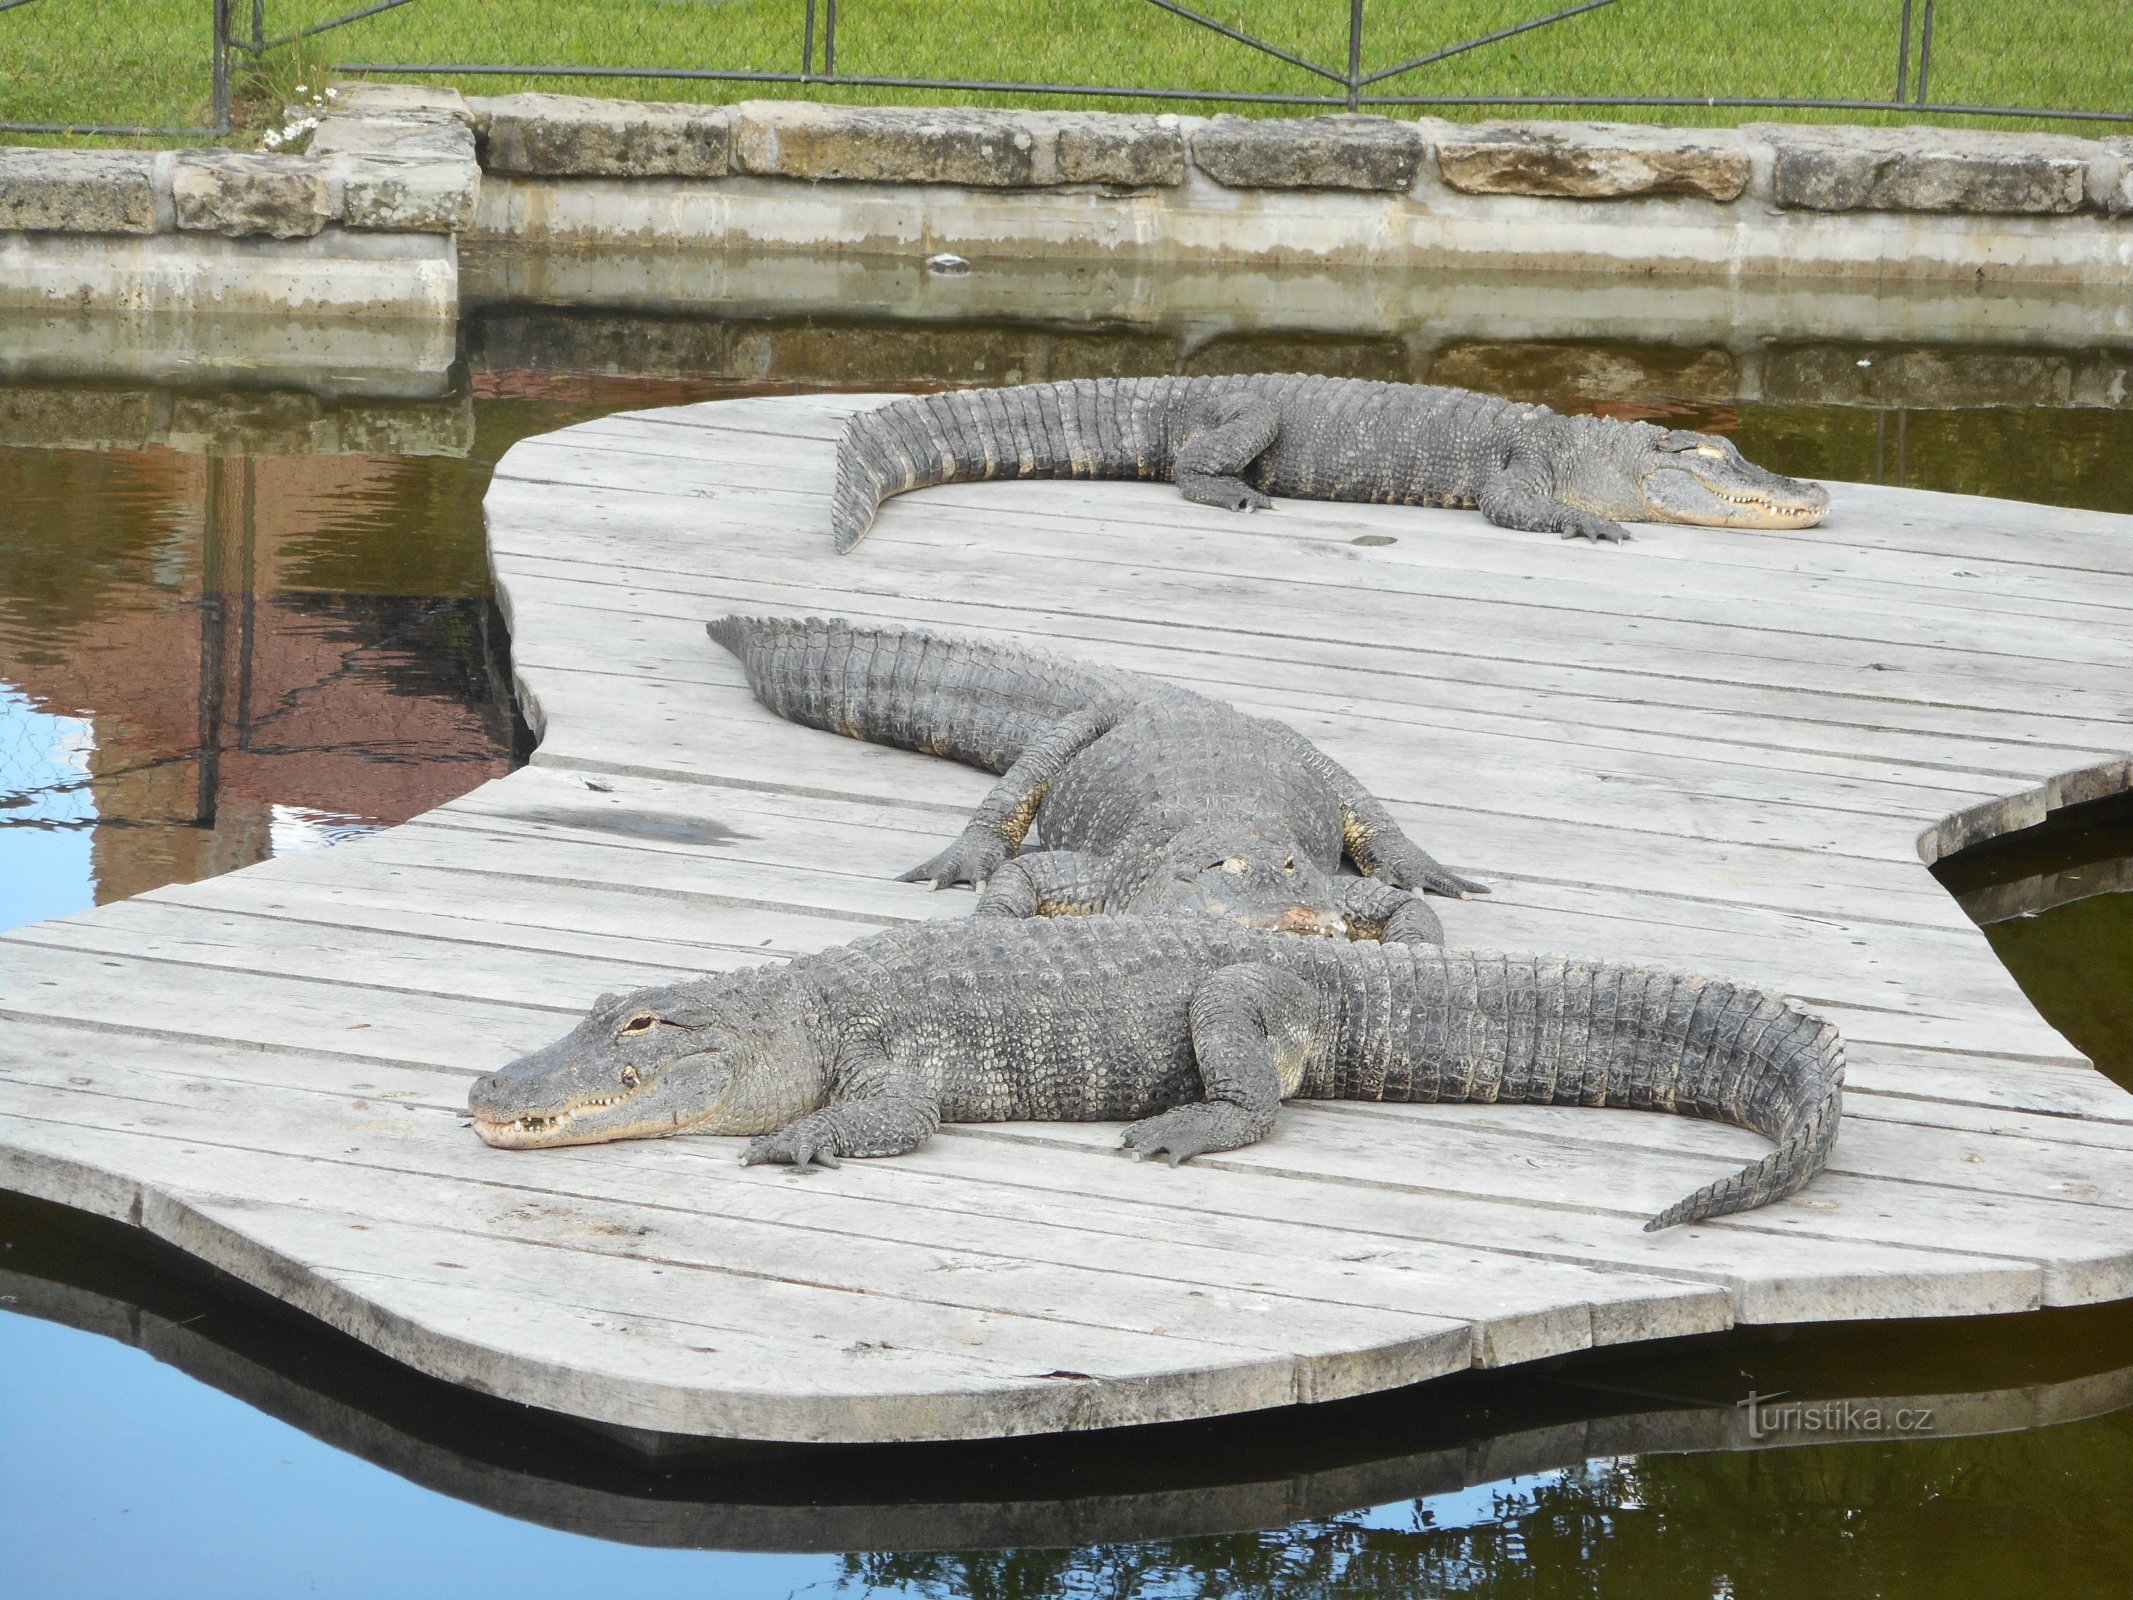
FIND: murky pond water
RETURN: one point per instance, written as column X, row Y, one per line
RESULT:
column 235, row 623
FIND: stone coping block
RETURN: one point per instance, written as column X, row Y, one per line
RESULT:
column 964, row 146
column 439, row 139
column 1336, row 152
column 236, row 194
column 407, row 100
column 1593, row 160
column 559, row 135
column 407, row 193
column 77, row 191
column 1120, row 151
column 1823, row 168
column 2112, row 190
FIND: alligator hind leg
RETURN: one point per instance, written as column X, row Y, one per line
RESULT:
column 1252, row 1028
column 1003, row 821
column 1378, row 910
column 1373, row 840
column 1210, row 465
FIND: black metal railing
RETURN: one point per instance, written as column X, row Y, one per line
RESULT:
column 1354, row 82
column 1349, row 87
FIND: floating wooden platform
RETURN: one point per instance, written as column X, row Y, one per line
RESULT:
column 1711, row 750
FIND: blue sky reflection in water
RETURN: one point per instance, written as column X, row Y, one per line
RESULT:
column 48, row 810
column 120, row 1475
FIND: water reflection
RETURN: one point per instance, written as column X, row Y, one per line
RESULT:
column 271, row 650
column 1612, row 1472
column 2056, row 900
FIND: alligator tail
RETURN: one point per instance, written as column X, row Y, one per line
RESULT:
column 1551, row 1031
column 1086, row 428
column 970, row 700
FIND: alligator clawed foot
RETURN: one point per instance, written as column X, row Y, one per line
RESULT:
column 801, row 1152
column 1176, row 1135
column 969, row 862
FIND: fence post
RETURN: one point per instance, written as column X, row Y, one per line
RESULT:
column 1925, row 52
column 807, row 46
column 829, row 38
column 221, row 67
column 1355, row 54
column 1903, row 52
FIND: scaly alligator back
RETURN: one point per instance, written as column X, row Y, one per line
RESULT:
column 970, row 700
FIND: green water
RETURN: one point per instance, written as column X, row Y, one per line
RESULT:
column 220, row 641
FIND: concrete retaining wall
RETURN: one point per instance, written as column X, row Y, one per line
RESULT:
column 1771, row 200
column 366, row 222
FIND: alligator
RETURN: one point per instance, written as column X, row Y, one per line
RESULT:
column 1234, row 442
column 1193, row 1028
column 1146, row 795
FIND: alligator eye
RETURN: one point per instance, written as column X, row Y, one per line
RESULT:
column 1233, row 864
column 1288, row 863
column 629, row 1077
column 639, row 1023
column 1712, row 451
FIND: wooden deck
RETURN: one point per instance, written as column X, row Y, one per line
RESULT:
column 1710, row 750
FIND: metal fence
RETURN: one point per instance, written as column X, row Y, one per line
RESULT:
column 1349, row 86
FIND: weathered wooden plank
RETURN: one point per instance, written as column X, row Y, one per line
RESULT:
column 1306, row 603
column 672, row 649
column 1419, row 673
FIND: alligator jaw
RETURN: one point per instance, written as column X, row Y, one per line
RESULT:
column 1710, row 485
column 537, row 1130
column 1753, row 510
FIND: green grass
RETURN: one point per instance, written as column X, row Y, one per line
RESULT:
column 147, row 60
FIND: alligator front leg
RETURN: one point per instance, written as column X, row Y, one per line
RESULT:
column 1003, row 821
column 1048, row 883
column 1252, row 1028
column 1519, row 495
column 1378, row 910
column 1210, row 465
column 884, row 1122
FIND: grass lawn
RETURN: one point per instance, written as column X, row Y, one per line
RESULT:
column 147, row 60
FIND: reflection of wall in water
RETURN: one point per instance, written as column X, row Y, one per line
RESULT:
column 220, row 681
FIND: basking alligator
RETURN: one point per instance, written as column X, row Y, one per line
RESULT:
column 1198, row 1027
column 1147, row 795
column 1234, row 441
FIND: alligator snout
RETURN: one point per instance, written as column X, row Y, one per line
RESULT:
column 1302, row 919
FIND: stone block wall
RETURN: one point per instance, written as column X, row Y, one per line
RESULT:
column 1767, row 200
column 400, row 163
column 363, row 222
column 1782, row 165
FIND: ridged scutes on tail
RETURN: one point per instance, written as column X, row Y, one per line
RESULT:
column 1082, row 428
column 970, row 700
column 1809, row 1057
column 1549, row 1030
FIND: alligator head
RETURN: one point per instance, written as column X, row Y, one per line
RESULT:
column 1642, row 473
column 1235, row 872
column 685, row 1058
